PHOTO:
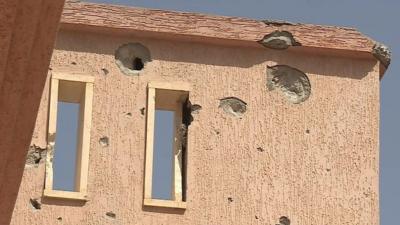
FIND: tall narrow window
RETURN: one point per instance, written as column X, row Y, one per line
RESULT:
column 166, row 145
column 69, row 136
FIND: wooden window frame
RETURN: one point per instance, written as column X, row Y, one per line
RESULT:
column 85, row 121
column 177, row 189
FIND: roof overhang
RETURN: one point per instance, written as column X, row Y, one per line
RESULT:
column 213, row 29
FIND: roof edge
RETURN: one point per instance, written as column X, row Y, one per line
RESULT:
column 197, row 26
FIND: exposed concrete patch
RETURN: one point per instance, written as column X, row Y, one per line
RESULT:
column 233, row 106
column 131, row 58
column 382, row 53
column 278, row 23
column 111, row 215
column 293, row 83
column 35, row 156
column 35, row 203
column 279, row 40
column 104, row 141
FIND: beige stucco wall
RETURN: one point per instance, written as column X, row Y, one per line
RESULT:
column 327, row 176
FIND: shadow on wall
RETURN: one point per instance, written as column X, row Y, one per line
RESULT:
column 62, row 202
column 309, row 61
column 163, row 210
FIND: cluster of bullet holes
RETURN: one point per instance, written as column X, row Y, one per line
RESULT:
column 131, row 58
column 293, row 83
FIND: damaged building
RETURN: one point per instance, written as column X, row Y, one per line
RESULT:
column 184, row 118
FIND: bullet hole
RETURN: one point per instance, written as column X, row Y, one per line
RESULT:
column 217, row 132
column 128, row 114
column 195, row 108
column 307, row 131
column 104, row 141
column 142, row 111
column 382, row 53
column 279, row 40
column 293, row 83
column 328, row 170
column 260, row 149
column 105, row 71
column 256, row 217
column 233, row 106
column 59, row 218
column 35, row 156
column 111, row 215
column 50, row 68
column 131, row 58
column 230, row 199
column 284, row 221
column 73, row 63
column 35, row 203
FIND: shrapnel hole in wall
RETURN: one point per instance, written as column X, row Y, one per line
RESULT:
column 131, row 58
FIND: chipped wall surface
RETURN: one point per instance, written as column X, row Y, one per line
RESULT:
column 315, row 162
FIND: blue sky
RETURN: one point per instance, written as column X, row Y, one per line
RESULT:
column 377, row 19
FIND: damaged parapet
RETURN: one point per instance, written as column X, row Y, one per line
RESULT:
column 382, row 53
column 293, row 83
column 278, row 23
column 279, row 40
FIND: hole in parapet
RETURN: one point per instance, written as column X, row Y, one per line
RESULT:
column 233, row 106
column 131, row 58
column 293, row 83
column 279, row 40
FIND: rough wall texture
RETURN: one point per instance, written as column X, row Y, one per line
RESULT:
column 315, row 162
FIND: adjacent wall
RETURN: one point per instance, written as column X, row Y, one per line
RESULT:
column 28, row 31
column 315, row 162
